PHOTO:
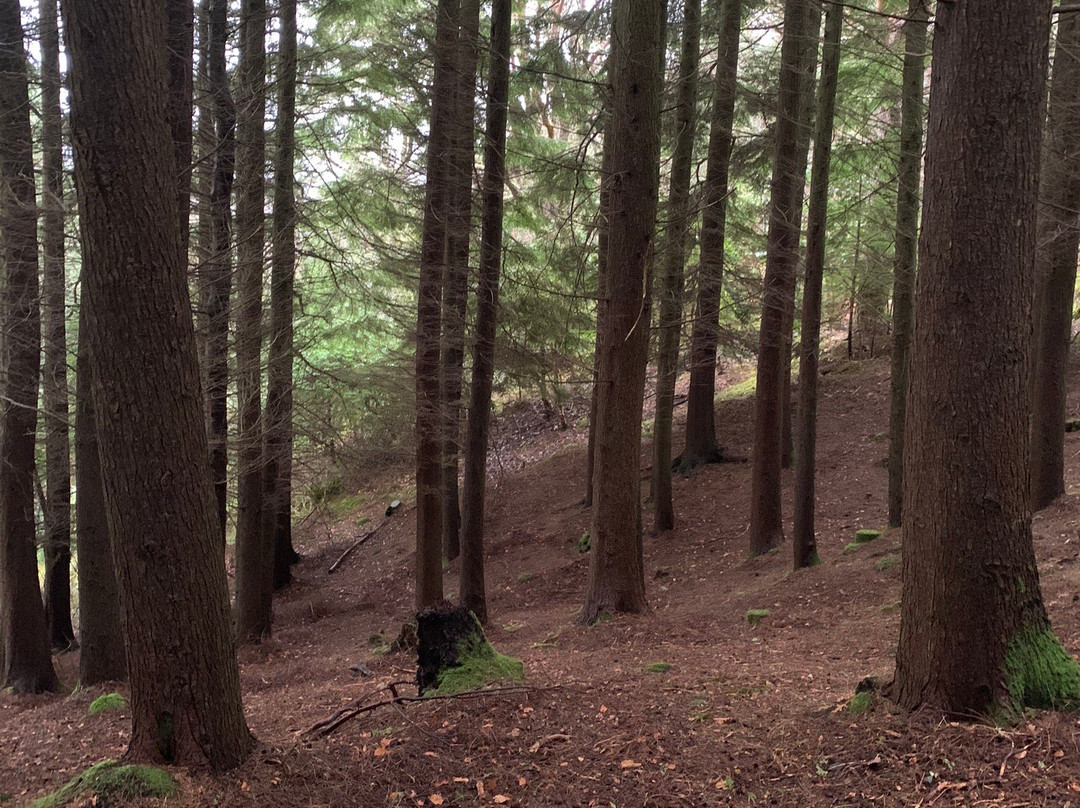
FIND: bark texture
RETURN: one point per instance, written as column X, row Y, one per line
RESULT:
column 185, row 684
column 974, row 635
column 616, row 575
column 473, row 592
column 27, row 663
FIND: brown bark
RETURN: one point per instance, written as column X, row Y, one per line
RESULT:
column 54, row 372
column 180, row 40
column 909, row 174
column 456, row 273
column 701, row 444
column 254, row 546
column 971, row 597
column 766, row 523
column 217, row 286
column 101, row 655
column 803, row 534
column 278, row 435
column 616, row 574
column 473, row 593
column 203, row 180
column 185, row 685
column 429, row 423
column 1055, row 266
column 27, row 664
column 673, row 263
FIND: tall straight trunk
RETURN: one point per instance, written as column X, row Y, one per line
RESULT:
column 254, row 546
column 701, row 444
column 180, row 40
column 54, row 375
column 185, row 684
column 616, row 574
column 673, row 264
column 203, row 180
column 217, row 286
column 909, row 174
column 804, row 539
column 809, row 59
column 1055, row 266
column 429, row 421
column 278, row 426
column 27, row 664
column 473, row 593
column 766, row 523
column 101, row 642
column 456, row 273
column 974, row 635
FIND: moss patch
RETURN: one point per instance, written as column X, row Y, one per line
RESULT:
column 478, row 664
column 866, row 536
column 861, row 702
column 658, row 667
column 755, row 616
column 887, row 563
column 1040, row 673
column 110, row 701
column 584, row 544
column 109, row 780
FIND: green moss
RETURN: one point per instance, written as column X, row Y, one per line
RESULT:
column 110, row 701
column 744, row 389
column 889, row 608
column 584, row 544
column 478, row 664
column 1040, row 673
column 658, row 667
column 109, row 780
column 861, row 702
column 887, row 563
column 755, row 616
column 866, row 536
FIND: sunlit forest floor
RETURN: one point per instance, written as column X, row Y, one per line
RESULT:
column 743, row 715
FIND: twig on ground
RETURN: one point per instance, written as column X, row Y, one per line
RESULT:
column 354, row 546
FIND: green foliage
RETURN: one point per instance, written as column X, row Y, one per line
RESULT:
column 108, row 780
column 755, row 616
column 478, row 664
column 108, row 701
column 1040, row 673
column 658, row 667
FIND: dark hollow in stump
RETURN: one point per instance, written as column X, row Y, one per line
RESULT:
column 442, row 631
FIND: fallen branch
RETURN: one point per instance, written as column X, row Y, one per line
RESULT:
column 355, row 545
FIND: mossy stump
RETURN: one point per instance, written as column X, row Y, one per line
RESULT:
column 108, row 781
column 453, row 655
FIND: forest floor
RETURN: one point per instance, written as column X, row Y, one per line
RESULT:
column 744, row 715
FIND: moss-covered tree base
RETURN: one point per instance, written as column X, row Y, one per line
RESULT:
column 1040, row 673
column 110, row 781
column 454, row 655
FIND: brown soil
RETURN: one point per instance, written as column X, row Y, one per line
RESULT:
column 745, row 715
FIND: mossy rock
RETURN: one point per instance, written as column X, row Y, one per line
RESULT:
column 658, row 667
column 109, row 701
column 109, row 781
column 755, row 616
column 1039, row 673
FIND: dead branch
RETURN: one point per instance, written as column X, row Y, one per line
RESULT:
column 355, row 545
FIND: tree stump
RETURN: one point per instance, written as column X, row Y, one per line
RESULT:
column 453, row 655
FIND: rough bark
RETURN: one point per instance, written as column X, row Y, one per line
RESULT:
column 616, row 575
column 101, row 655
column 278, row 429
column 701, row 444
column 473, row 593
column 203, row 180
column 217, row 287
column 27, row 663
column 429, row 583
column 974, row 635
column 1055, row 266
column 670, row 283
column 180, row 41
column 803, row 533
column 766, row 523
column 254, row 546
column 185, row 687
column 456, row 272
column 54, row 371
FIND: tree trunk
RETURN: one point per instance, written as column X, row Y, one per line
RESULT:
column 101, row 655
column 974, row 635
column 429, row 422
column 27, row 664
column 616, row 574
column 804, row 538
column 1055, row 266
column 54, row 376
column 180, row 41
column 701, row 444
column 673, row 263
column 203, row 180
column 456, row 273
column 473, row 593
column 909, row 174
column 254, row 546
column 766, row 523
column 217, row 287
column 278, row 429
column 185, row 684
